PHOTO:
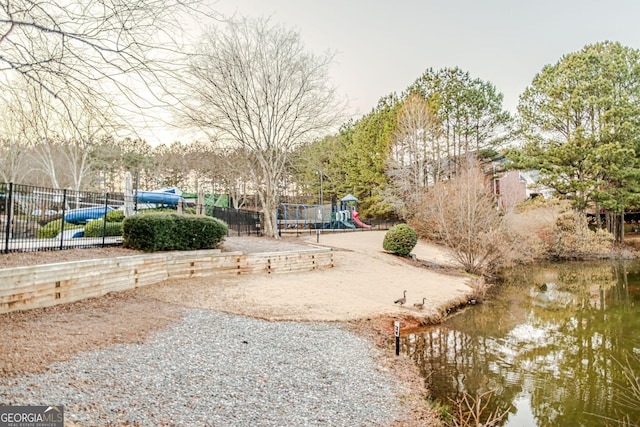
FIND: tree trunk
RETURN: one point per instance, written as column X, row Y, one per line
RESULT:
column 615, row 226
column 269, row 202
column 620, row 236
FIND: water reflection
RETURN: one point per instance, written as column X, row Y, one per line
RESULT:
column 550, row 341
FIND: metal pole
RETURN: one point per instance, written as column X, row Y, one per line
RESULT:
column 321, row 192
column 64, row 208
column 396, row 327
column 321, row 202
column 104, row 220
column 135, row 192
column 8, row 212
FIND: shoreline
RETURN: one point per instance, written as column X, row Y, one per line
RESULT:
column 356, row 295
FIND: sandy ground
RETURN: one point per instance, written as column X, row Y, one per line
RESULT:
column 358, row 292
column 364, row 283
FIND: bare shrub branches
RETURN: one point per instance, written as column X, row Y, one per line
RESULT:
column 472, row 411
column 462, row 214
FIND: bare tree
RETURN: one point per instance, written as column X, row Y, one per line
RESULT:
column 222, row 170
column 234, row 171
column 416, row 155
column 60, row 141
column 35, row 122
column 14, row 148
column 171, row 165
column 254, row 85
column 81, row 51
column 15, row 164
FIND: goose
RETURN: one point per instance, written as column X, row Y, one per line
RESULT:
column 420, row 305
column 402, row 300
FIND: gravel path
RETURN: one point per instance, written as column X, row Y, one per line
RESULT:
column 213, row 369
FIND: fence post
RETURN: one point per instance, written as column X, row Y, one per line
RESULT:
column 135, row 193
column 64, row 208
column 9, row 211
column 104, row 220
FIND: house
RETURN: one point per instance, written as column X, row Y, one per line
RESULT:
column 514, row 186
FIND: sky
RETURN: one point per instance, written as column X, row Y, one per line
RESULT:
column 383, row 46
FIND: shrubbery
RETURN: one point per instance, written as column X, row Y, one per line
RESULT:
column 115, row 216
column 400, row 240
column 96, row 228
column 53, row 228
column 166, row 231
column 573, row 240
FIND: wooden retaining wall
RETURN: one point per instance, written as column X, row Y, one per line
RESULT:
column 24, row 288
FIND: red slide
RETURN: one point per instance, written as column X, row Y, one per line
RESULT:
column 354, row 216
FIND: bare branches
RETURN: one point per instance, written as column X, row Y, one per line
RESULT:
column 416, row 157
column 255, row 86
column 461, row 213
column 473, row 411
column 120, row 52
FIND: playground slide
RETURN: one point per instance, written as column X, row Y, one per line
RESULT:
column 159, row 197
column 82, row 215
column 342, row 219
column 355, row 218
column 347, row 223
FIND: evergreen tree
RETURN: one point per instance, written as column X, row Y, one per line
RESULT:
column 580, row 120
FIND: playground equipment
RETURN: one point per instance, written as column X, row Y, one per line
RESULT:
column 348, row 214
column 354, row 216
column 83, row 215
column 170, row 197
column 159, row 197
column 295, row 216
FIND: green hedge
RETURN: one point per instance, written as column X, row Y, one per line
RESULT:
column 96, row 227
column 53, row 228
column 115, row 216
column 152, row 232
column 400, row 240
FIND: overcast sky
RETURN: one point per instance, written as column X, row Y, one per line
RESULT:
column 382, row 46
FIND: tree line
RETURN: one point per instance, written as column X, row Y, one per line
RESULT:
column 269, row 120
column 577, row 124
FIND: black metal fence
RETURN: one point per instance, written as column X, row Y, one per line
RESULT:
column 31, row 217
column 240, row 222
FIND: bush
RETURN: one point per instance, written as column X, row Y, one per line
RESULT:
column 115, row 216
column 96, row 228
column 162, row 231
column 572, row 239
column 53, row 228
column 400, row 240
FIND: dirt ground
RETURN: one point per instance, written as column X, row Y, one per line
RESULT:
column 358, row 292
column 363, row 284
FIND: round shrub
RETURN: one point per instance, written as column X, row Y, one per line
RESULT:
column 53, row 228
column 96, row 228
column 400, row 240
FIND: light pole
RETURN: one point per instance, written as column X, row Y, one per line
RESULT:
column 320, row 214
column 320, row 189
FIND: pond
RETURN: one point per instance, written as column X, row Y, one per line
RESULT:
column 554, row 345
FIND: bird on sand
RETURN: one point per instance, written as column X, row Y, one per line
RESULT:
column 402, row 300
column 420, row 305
